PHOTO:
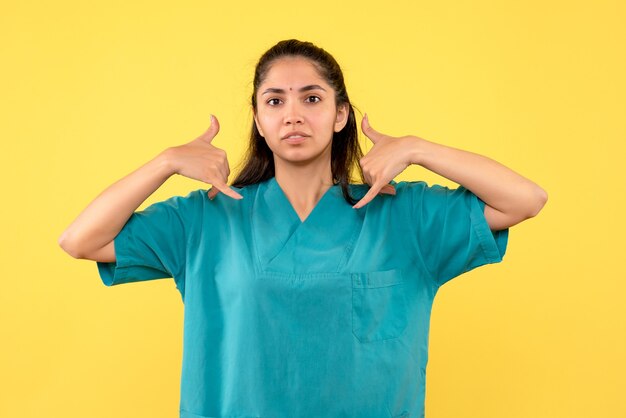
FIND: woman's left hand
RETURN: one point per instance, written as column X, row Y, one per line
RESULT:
column 389, row 157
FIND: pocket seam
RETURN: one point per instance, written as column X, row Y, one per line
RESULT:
column 376, row 279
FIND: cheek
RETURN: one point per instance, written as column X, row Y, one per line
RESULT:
column 268, row 120
column 328, row 123
column 320, row 119
column 264, row 126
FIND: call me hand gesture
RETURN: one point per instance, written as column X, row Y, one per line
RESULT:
column 389, row 157
column 201, row 160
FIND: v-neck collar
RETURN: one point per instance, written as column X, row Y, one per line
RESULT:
column 274, row 189
column 284, row 243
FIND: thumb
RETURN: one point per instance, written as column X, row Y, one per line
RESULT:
column 210, row 133
column 370, row 132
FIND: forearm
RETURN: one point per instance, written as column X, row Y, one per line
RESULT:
column 497, row 185
column 101, row 221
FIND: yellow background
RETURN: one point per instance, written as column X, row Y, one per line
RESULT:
column 89, row 92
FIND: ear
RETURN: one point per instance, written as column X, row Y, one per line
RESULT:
column 258, row 126
column 342, row 117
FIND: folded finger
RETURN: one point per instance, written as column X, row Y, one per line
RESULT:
column 388, row 189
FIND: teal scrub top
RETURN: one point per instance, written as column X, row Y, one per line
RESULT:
column 323, row 318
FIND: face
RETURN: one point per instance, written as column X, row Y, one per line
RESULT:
column 295, row 98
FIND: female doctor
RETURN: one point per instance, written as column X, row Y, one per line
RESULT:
column 305, row 295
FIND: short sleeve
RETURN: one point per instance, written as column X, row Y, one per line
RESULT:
column 451, row 230
column 153, row 243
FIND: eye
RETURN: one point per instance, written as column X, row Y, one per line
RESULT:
column 271, row 103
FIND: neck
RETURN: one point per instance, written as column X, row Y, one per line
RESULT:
column 304, row 185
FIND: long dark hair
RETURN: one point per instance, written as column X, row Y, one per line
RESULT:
column 258, row 161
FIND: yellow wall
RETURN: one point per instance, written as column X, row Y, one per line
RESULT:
column 92, row 91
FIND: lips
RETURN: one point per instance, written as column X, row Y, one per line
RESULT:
column 295, row 133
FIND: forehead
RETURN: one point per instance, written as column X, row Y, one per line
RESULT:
column 291, row 73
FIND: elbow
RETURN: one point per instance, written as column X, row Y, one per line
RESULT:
column 529, row 207
column 540, row 199
column 67, row 247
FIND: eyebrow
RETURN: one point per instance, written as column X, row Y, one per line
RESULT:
column 305, row 88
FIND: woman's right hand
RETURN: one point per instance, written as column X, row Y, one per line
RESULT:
column 200, row 160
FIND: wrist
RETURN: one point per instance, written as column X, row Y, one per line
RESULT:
column 165, row 163
column 417, row 150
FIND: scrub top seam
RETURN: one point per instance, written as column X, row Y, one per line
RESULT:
column 419, row 256
column 486, row 237
column 258, row 269
column 348, row 253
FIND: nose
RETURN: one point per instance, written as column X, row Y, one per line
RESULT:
column 293, row 113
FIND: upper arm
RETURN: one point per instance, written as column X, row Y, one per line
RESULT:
column 153, row 243
column 499, row 220
column 105, row 254
column 452, row 234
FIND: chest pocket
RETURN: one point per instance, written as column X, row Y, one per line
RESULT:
column 378, row 305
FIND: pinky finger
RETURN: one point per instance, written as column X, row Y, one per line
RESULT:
column 224, row 188
column 230, row 192
column 366, row 199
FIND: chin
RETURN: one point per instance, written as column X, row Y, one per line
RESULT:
column 298, row 160
column 301, row 153
column 298, row 156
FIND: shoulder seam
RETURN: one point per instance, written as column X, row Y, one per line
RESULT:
column 412, row 225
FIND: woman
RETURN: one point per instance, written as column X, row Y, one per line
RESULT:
column 305, row 295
